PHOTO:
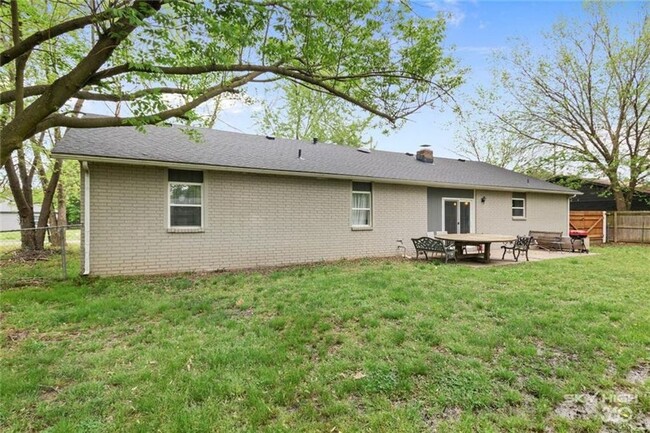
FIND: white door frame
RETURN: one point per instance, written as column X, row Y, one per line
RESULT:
column 472, row 211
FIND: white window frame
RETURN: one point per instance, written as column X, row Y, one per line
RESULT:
column 352, row 208
column 169, row 206
column 522, row 207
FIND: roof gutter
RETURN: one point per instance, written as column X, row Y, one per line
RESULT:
column 191, row 166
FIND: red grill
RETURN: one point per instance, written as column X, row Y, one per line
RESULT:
column 578, row 234
column 578, row 240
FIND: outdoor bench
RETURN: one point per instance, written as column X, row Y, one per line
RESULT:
column 547, row 240
column 427, row 245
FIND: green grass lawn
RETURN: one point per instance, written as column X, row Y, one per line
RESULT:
column 377, row 345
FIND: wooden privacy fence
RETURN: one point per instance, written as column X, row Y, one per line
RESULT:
column 592, row 221
column 628, row 226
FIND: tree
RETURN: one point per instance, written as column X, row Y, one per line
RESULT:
column 139, row 54
column 584, row 102
column 481, row 138
column 305, row 114
column 376, row 55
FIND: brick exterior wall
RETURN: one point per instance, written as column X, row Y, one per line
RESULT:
column 250, row 220
column 547, row 212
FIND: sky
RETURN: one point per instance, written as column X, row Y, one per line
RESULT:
column 476, row 29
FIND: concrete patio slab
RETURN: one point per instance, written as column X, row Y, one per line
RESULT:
column 534, row 255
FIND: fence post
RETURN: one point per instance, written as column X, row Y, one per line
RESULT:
column 604, row 227
column 63, row 258
column 615, row 226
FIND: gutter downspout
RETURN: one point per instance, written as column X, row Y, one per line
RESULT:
column 568, row 208
column 86, row 178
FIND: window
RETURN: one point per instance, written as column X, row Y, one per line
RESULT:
column 518, row 205
column 361, row 204
column 185, row 199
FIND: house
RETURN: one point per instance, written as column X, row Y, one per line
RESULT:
column 9, row 218
column 596, row 195
column 171, row 198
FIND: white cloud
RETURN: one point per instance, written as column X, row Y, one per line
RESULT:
column 236, row 105
column 451, row 9
column 227, row 104
column 480, row 49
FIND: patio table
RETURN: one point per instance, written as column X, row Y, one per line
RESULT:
column 463, row 239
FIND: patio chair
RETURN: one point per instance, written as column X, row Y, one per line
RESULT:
column 521, row 245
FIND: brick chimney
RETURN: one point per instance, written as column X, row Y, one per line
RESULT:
column 425, row 155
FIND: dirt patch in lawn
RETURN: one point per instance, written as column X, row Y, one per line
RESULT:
column 581, row 406
column 554, row 357
column 49, row 393
column 20, row 256
column 16, row 335
column 639, row 374
column 450, row 414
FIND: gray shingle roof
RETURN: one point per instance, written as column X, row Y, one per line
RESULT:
column 170, row 144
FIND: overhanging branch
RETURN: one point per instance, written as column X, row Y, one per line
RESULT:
column 60, row 120
column 273, row 69
column 10, row 95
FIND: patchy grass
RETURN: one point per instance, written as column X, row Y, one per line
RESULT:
column 37, row 269
column 372, row 345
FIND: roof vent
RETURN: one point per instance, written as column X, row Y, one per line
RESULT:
column 425, row 155
column 314, row 140
column 270, row 137
column 363, row 150
column 461, row 159
column 409, row 154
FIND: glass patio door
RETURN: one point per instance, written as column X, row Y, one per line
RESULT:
column 457, row 215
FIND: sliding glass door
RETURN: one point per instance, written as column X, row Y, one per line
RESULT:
column 457, row 215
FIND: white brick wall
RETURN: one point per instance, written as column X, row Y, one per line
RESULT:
column 250, row 220
column 548, row 212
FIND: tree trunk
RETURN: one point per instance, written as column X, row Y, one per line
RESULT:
column 25, row 210
column 619, row 198
column 46, row 207
column 58, row 217
column 27, row 234
column 54, row 234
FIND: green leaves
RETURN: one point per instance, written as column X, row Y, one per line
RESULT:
column 306, row 114
column 377, row 56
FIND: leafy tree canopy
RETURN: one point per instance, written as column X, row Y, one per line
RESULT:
column 305, row 114
column 376, row 55
column 583, row 104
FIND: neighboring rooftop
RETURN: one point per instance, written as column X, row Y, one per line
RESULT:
column 230, row 150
